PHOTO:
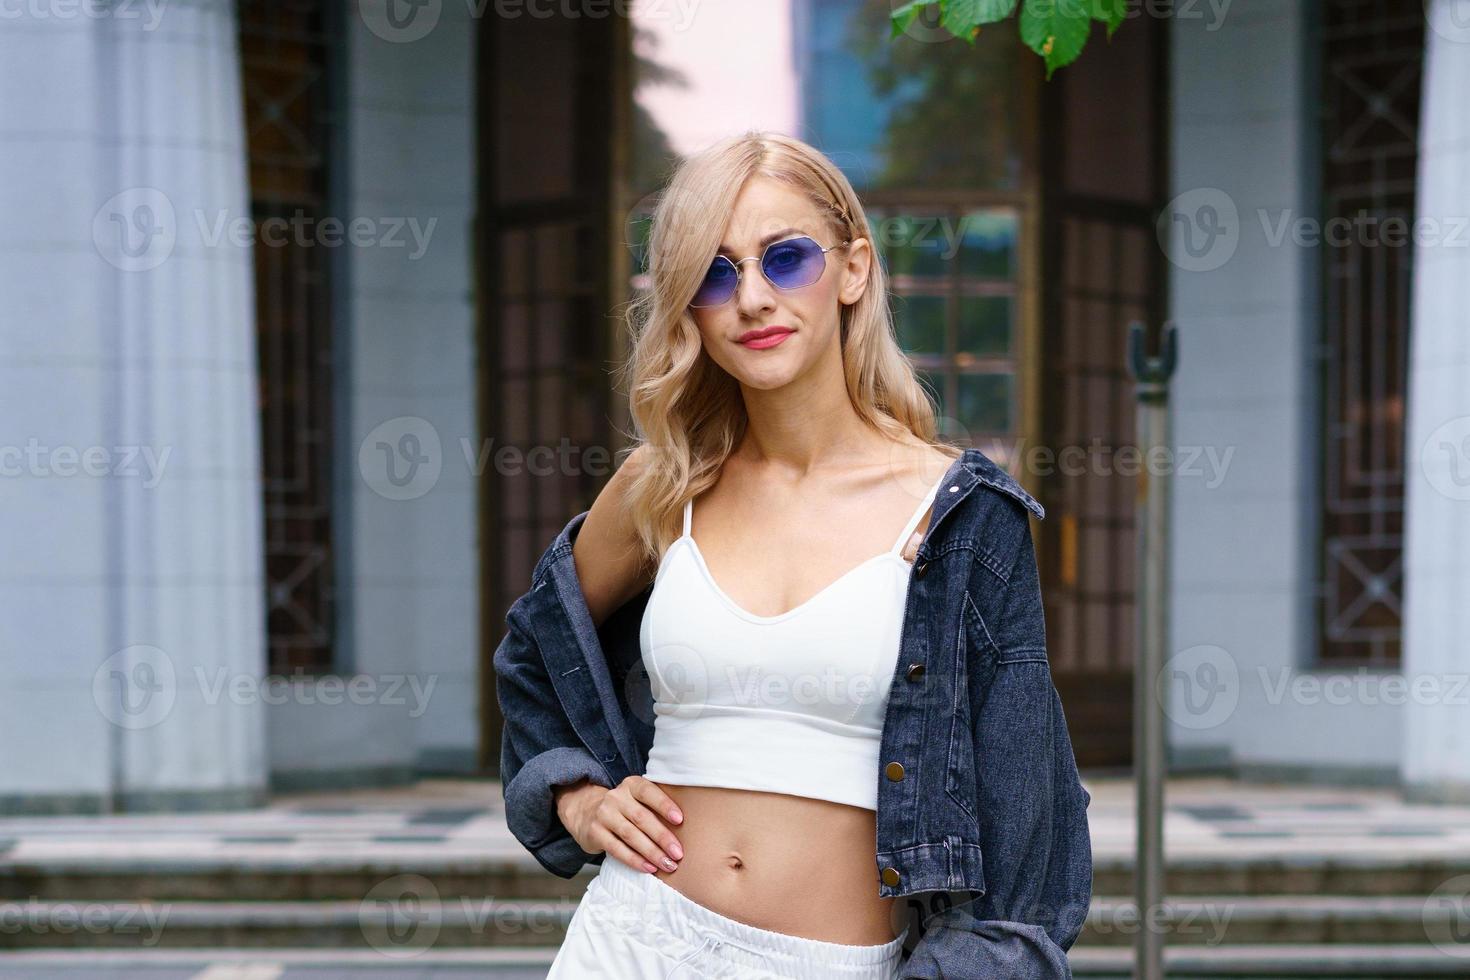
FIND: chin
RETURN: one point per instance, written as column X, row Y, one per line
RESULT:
column 770, row 377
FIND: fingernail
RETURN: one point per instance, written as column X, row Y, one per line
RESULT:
column 675, row 815
column 649, row 868
column 669, row 864
column 678, row 852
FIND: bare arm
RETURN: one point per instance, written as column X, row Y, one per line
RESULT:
column 605, row 553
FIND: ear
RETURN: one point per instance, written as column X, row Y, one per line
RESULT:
column 858, row 259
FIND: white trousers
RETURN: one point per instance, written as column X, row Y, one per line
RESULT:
column 631, row 925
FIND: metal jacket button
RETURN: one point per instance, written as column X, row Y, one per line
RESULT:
column 920, row 569
column 915, row 672
column 894, row 771
column 890, row 877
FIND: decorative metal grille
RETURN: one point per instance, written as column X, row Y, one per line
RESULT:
column 1372, row 53
column 547, row 107
column 286, row 49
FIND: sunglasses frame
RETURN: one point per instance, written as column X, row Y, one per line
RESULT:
column 737, row 263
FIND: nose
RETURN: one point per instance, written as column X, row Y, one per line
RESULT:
column 754, row 294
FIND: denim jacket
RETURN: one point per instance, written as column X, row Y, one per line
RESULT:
column 983, row 827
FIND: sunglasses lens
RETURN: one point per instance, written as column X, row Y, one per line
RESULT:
column 788, row 265
column 718, row 284
column 795, row 263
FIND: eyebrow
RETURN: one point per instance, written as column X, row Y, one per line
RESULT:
column 772, row 237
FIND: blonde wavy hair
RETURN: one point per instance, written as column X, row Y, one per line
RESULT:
column 690, row 410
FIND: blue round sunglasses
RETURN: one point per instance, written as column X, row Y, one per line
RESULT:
column 788, row 264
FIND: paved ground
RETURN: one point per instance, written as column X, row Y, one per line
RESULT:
column 1209, row 817
column 451, row 819
column 282, row 965
column 443, row 823
column 444, row 818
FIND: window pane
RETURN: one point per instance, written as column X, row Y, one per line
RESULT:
column 985, row 402
column 912, row 245
column 920, row 323
column 988, row 244
column 903, row 112
column 985, row 325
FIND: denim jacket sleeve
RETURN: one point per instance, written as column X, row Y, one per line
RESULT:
column 1032, row 807
column 539, row 750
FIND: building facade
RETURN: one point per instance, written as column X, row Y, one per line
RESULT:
column 310, row 313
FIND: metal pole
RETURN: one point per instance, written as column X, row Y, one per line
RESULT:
column 1151, row 601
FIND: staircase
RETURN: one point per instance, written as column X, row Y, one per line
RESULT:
column 1308, row 917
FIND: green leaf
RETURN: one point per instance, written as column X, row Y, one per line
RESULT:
column 1110, row 12
column 901, row 18
column 1055, row 29
column 963, row 18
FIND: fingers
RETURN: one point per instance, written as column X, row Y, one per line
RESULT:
column 647, row 820
column 628, row 816
column 622, row 852
column 653, row 796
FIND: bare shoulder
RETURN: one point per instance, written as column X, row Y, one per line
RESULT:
column 924, row 464
column 609, row 563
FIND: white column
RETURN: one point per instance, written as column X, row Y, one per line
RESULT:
column 1436, row 759
column 131, row 593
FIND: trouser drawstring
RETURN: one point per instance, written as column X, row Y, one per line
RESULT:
column 711, row 943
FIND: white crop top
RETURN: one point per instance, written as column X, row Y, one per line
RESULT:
column 792, row 703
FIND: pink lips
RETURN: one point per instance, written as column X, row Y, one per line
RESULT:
column 765, row 337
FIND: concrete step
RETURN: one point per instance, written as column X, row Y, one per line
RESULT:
column 274, row 964
column 400, row 922
column 1278, row 962
column 394, row 925
column 1257, row 875
column 1297, row 919
column 288, row 880
column 349, row 877
column 1359, row 961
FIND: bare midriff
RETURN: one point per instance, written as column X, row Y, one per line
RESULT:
column 789, row 864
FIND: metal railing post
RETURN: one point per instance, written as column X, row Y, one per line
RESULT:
column 1151, row 375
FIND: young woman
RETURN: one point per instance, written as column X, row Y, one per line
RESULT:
column 769, row 525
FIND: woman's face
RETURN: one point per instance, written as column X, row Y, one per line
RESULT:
column 808, row 316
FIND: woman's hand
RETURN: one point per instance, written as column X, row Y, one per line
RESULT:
column 625, row 822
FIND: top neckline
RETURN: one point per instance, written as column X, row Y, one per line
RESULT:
column 895, row 553
column 800, row 607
